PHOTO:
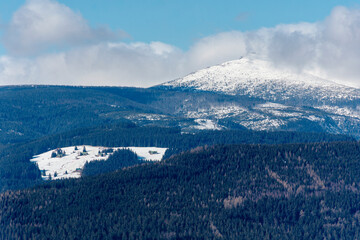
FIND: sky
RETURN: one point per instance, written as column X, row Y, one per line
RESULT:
column 143, row 43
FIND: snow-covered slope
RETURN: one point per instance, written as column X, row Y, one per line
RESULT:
column 263, row 97
column 70, row 165
column 259, row 78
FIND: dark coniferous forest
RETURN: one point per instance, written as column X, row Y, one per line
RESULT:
column 293, row 191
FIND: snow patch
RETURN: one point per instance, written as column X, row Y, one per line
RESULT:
column 272, row 105
column 13, row 132
column 218, row 112
column 314, row 118
column 264, row 124
column 146, row 117
column 344, row 111
column 206, row 124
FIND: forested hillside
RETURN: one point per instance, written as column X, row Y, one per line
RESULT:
column 293, row 191
column 16, row 171
column 32, row 112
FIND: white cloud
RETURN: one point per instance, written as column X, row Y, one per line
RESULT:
column 136, row 64
column 216, row 49
column 46, row 24
column 339, row 45
column 330, row 48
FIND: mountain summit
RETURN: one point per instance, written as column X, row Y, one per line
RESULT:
column 260, row 79
column 269, row 98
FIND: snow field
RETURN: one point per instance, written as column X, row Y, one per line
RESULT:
column 70, row 165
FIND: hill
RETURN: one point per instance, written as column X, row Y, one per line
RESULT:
column 16, row 170
column 293, row 191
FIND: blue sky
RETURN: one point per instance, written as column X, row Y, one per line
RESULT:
column 141, row 43
column 183, row 22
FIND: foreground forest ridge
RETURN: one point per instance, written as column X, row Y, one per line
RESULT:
column 291, row 191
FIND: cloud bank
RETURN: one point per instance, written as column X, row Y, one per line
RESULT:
column 96, row 56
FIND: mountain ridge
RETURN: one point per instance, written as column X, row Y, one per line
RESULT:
column 285, row 100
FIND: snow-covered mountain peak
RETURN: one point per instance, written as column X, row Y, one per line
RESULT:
column 259, row 78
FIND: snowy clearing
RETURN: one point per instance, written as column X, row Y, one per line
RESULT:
column 71, row 164
column 206, row 124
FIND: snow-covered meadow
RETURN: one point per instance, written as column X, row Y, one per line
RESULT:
column 71, row 164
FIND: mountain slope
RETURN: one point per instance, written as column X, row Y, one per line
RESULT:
column 284, row 100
